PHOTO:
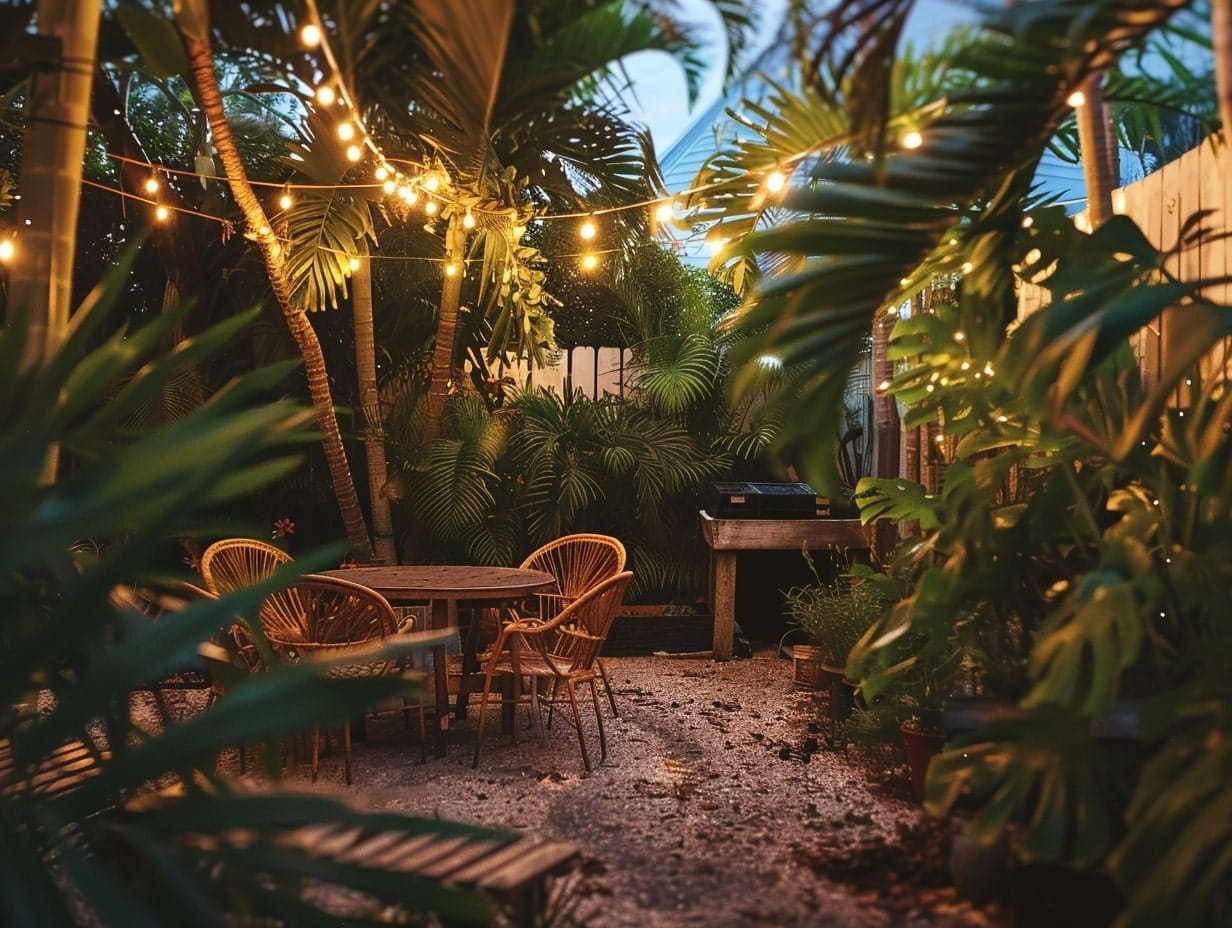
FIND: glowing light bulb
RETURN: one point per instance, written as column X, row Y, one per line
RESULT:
column 263, row 231
column 588, row 230
column 1076, row 99
column 389, row 186
column 1027, row 222
column 285, row 201
column 325, row 95
column 7, row 249
column 310, row 35
column 913, row 139
column 966, row 268
column 664, row 211
column 430, row 207
column 431, row 182
column 151, row 185
column 346, row 131
column 162, row 213
column 353, row 264
column 590, row 262
column 775, row 181
column 354, row 153
column 381, row 172
column 451, row 270
column 960, row 335
column 468, row 221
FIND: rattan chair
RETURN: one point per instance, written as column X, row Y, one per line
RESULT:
column 234, row 563
column 578, row 562
column 320, row 614
column 561, row 653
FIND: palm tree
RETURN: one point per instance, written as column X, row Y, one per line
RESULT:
column 52, row 155
column 507, row 107
column 194, row 30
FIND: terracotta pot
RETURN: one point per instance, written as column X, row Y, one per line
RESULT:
column 921, row 747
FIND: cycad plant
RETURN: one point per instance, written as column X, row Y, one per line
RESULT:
column 157, row 835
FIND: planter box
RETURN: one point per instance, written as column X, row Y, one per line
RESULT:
column 640, row 630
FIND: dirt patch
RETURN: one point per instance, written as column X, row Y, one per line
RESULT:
column 720, row 804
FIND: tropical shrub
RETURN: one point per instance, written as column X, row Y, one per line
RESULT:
column 159, row 831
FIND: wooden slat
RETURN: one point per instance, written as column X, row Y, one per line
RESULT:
column 63, row 769
column 532, row 864
column 428, row 854
column 447, row 866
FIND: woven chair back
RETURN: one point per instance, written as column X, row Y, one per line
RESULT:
column 578, row 562
column 319, row 614
column 235, row 563
column 582, row 627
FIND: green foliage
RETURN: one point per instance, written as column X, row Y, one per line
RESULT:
column 120, row 845
column 835, row 614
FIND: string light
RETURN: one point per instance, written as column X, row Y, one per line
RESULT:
column 451, row 270
column 310, row 35
column 7, row 250
column 776, row 181
column 913, row 139
column 151, row 185
column 1076, row 99
column 286, row 200
column 354, row 153
column 325, row 95
column 589, row 262
column 346, row 131
column 468, row 220
column 588, row 229
column 664, row 211
column 353, row 264
column 161, row 213
column 430, row 207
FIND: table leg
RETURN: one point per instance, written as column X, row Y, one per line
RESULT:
column 723, row 600
column 441, row 609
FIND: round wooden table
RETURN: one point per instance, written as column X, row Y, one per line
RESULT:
column 444, row 586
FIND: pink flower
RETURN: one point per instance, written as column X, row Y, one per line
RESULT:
column 283, row 527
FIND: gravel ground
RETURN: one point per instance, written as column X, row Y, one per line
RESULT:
column 697, row 817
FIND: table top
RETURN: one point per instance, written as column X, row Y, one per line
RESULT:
column 782, row 534
column 447, row 581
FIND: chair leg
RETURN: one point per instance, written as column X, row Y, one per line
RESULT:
column 607, row 688
column 594, row 696
column 483, row 715
column 316, row 753
column 577, row 721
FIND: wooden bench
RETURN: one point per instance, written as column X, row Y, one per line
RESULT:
column 65, row 768
column 510, row 867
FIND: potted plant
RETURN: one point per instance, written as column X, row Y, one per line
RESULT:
column 832, row 615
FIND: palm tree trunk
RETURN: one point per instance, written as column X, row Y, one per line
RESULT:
column 446, row 331
column 53, row 149
column 1099, row 170
column 370, row 404
column 201, row 60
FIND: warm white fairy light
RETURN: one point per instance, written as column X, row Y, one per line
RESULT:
column 588, row 229
column 589, row 262
column 381, row 172
column 346, row 131
column 1076, row 99
column 468, row 220
column 664, row 211
column 162, row 213
column 285, row 201
column 310, row 35
column 326, row 96
column 451, row 269
column 354, row 153
column 151, row 185
column 431, row 182
column 389, row 186
column 430, row 207
column 353, row 264
column 775, row 181
column 7, row 250
column 913, row 139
